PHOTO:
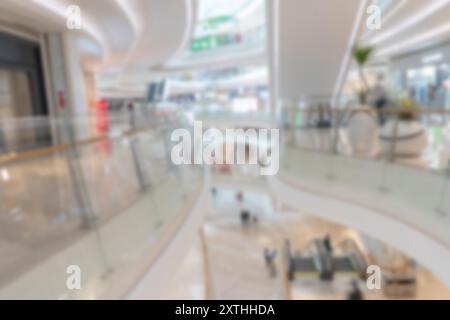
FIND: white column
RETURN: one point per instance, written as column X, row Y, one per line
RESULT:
column 67, row 86
column 74, row 74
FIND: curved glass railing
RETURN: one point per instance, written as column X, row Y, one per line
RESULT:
column 402, row 165
column 101, row 208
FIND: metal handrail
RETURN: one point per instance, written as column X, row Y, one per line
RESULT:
column 43, row 151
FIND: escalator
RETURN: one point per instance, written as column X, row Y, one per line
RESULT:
column 320, row 260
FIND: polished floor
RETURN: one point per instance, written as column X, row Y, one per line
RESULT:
column 229, row 264
column 50, row 201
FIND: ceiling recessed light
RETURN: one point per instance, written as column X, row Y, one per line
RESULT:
column 409, row 22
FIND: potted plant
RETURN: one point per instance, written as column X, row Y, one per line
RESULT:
column 403, row 135
column 361, row 55
column 362, row 125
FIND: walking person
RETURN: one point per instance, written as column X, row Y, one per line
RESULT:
column 269, row 257
column 379, row 98
column 355, row 292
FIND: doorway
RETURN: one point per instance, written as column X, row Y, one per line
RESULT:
column 23, row 108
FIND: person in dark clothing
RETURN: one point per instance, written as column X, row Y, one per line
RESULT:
column 239, row 196
column 269, row 257
column 245, row 218
column 327, row 243
column 131, row 114
column 355, row 293
column 379, row 98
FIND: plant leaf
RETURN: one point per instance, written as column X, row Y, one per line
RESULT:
column 362, row 54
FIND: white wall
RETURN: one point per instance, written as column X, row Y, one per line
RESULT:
column 313, row 42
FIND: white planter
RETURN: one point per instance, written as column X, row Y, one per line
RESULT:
column 410, row 141
column 362, row 130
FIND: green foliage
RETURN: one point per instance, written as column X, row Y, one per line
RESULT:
column 362, row 54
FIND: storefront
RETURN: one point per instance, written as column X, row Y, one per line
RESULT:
column 424, row 77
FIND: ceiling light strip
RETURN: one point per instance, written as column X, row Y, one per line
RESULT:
column 408, row 23
column 425, row 36
column 386, row 17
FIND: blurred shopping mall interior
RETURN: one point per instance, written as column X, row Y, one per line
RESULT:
column 225, row 149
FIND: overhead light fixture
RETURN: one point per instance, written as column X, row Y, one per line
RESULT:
column 432, row 58
column 386, row 17
column 394, row 10
column 425, row 36
column 408, row 23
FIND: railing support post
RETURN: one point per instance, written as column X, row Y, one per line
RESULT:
column 391, row 156
column 441, row 204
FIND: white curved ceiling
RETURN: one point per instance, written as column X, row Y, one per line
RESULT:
column 246, row 15
column 129, row 42
column 414, row 25
column 131, row 34
column 164, row 30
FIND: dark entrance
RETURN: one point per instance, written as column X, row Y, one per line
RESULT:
column 23, row 105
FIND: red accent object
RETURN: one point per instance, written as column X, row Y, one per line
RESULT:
column 102, row 123
column 61, row 99
column 102, row 120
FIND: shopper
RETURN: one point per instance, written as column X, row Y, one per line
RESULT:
column 327, row 243
column 355, row 293
column 245, row 218
column 214, row 195
column 269, row 257
column 239, row 196
column 379, row 98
